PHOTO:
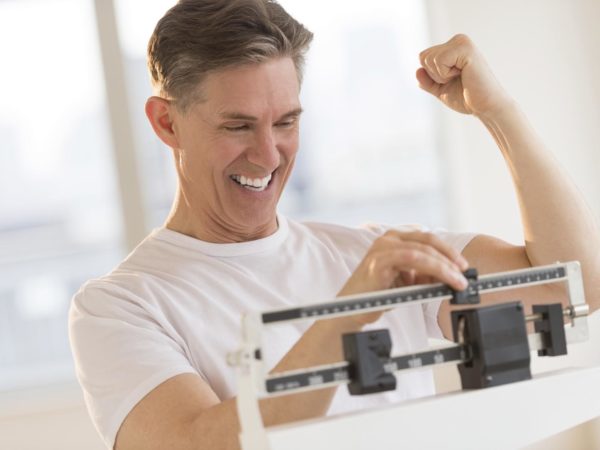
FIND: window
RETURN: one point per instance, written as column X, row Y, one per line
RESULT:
column 367, row 150
column 59, row 215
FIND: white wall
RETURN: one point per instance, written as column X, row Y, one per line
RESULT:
column 546, row 54
column 48, row 418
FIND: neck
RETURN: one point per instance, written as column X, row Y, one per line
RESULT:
column 210, row 227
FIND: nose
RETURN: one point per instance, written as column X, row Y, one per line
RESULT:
column 263, row 151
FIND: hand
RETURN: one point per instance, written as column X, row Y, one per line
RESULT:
column 457, row 74
column 398, row 259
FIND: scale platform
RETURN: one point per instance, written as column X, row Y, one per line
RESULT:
column 505, row 417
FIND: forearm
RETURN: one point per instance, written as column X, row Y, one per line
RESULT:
column 321, row 344
column 218, row 426
column 557, row 223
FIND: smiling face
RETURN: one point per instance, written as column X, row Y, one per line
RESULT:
column 235, row 152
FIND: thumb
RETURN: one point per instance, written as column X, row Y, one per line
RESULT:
column 426, row 82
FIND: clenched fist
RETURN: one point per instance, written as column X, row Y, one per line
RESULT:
column 457, row 74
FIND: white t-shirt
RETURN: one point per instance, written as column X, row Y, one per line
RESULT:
column 174, row 306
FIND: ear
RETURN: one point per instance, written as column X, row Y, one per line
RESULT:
column 160, row 113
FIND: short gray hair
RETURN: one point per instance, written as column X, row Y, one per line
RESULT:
column 197, row 37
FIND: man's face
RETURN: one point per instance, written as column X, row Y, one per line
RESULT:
column 237, row 148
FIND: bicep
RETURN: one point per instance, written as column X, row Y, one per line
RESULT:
column 164, row 417
column 489, row 255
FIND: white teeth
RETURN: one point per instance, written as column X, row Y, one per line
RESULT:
column 256, row 184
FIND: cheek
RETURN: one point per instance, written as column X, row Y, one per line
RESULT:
column 213, row 155
column 288, row 153
column 289, row 145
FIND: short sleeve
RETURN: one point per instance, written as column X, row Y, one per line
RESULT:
column 121, row 353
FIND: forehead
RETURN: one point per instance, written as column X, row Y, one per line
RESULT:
column 273, row 83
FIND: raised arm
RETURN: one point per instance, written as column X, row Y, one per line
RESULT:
column 557, row 223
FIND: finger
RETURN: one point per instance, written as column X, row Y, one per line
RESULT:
column 394, row 240
column 445, row 66
column 453, row 53
column 426, row 82
column 380, row 269
column 424, row 279
column 431, row 240
column 441, row 66
column 431, row 69
column 424, row 263
column 422, row 242
column 406, row 278
column 434, row 252
column 444, row 62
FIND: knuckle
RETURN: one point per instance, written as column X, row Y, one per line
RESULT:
column 370, row 257
column 429, row 238
column 391, row 237
column 461, row 38
column 382, row 243
column 372, row 265
column 464, row 41
column 442, row 267
column 376, row 243
column 410, row 256
column 427, row 235
column 385, row 276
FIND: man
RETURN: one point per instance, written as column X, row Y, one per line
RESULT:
column 150, row 338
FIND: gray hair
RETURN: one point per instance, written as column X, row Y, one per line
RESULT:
column 197, row 37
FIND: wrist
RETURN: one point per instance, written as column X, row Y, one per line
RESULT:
column 504, row 110
column 343, row 324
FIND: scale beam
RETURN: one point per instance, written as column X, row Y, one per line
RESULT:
column 320, row 377
column 380, row 300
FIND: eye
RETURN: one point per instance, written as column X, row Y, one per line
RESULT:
column 286, row 123
column 237, row 128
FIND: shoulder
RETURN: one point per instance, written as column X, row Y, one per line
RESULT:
column 342, row 235
column 334, row 233
column 110, row 297
column 124, row 287
column 157, row 260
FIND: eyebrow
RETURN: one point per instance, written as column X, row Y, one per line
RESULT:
column 239, row 116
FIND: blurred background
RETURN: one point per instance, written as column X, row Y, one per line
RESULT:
column 83, row 178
